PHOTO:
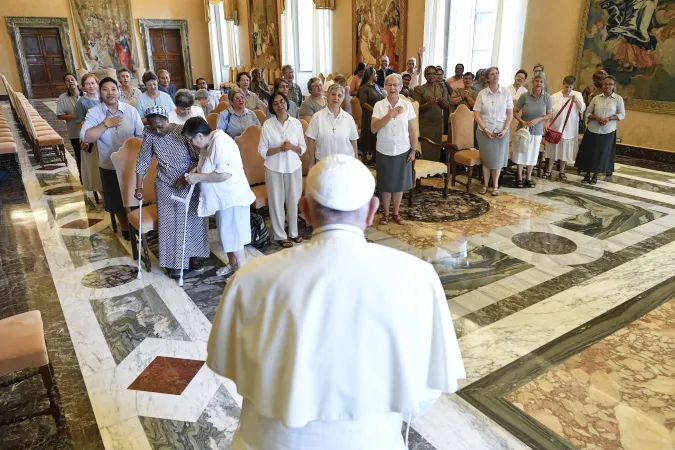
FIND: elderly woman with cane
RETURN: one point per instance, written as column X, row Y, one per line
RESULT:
column 175, row 158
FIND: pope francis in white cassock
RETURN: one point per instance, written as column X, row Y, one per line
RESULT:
column 332, row 344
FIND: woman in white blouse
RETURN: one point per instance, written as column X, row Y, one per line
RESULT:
column 332, row 130
column 396, row 146
column 597, row 151
column 281, row 144
column 493, row 112
column 185, row 108
column 565, row 102
column 224, row 192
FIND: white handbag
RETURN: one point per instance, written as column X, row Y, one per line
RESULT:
column 522, row 141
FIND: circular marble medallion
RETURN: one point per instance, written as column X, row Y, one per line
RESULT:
column 430, row 206
column 62, row 190
column 109, row 277
column 544, row 243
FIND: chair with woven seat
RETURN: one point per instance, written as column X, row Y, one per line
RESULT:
column 22, row 346
column 124, row 161
column 254, row 164
column 464, row 153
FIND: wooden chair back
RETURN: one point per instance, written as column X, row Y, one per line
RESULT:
column 212, row 120
column 329, row 77
column 513, row 127
column 254, row 164
column 222, row 106
column 124, row 161
column 307, row 119
column 322, row 78
column 462, row 127
column 357, row 112
column 261, row 116
column 305, row 158
column 224, row 98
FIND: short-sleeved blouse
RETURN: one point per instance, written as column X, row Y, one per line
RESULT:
column 83, row 106
column 66, row 106
column 311, row 107
column 493, row 107
column 174, row 152
column 132, row 98
column 394, row 138
column 222, row 156
column 532, row 107
column 234, row 124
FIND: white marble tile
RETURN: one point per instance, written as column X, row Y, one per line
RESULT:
column 125, row 435
column 508, row 339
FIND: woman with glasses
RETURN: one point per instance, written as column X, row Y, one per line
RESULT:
column 238, row 117
column 153, row 97
column 316, row 101
column 433, row 99
column 185, row 108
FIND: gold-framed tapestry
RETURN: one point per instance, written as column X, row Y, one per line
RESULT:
column 105, row 34
column 634, row 40
column 263, row 24
column 380, row 28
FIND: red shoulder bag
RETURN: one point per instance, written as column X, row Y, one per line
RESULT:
column 553, row 136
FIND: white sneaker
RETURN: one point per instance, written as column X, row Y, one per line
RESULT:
column 226, row 270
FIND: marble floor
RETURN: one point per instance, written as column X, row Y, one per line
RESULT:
column 563, row 299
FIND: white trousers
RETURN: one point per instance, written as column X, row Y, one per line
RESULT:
column 283, row 194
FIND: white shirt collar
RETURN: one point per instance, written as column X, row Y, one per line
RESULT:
column 340, row 228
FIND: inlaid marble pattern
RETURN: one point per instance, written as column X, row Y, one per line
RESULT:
column 81, row 224
column 62, row 190
column 432, row 207
column 544, row 243
column 605, row 218
column 214, row 429
column 127, row 320
column 167, row 375
column 617, row 394
column 475, row 268
column 109, row 277
column 96, row 247
column 49, row 179
column 649, row 174
column 60, row 207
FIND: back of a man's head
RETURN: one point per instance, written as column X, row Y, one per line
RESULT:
column 340, row 191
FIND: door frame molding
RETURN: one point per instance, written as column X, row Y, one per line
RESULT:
column 148, row 24
column 14, row 25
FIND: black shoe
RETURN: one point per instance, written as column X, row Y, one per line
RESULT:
column 175, row 273
column 586, row 180
column 197, row 265
column 126, row 235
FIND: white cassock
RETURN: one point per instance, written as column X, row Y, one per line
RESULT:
column 333, row 343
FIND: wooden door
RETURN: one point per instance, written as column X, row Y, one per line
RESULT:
column 46, row 63
column 167, row 54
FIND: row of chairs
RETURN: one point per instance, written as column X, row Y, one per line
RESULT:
column 7, row 144
column 37, row 132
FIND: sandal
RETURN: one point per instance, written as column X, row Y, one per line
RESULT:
column 285, row 243
column 594, row 180
column 530, row 183
column 586, row 180
column 483, row 190
column 562, row 176
column 398, row 219
column 495, row 192
column 384, row 220
column 547, row 175
column 297, row 239
column 519, row 183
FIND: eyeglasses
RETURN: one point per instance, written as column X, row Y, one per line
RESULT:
column 392, row 84
column 275, row 104
column 430, row 74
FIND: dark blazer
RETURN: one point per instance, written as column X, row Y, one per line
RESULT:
column 381, row 76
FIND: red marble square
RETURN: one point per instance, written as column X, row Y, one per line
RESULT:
column 81, row 224
column 167, row 375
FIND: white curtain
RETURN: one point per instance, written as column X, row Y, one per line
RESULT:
column 287, row 41
column 434, row 24
column 232, row 33
column 216, row 63
column 323, row 42
column 507, row 51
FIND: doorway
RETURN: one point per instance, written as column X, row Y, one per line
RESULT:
column 46, row 63
column 43, row 54
column 167, row 54
column 167, row 47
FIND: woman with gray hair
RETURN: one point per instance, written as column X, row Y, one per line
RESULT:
column 316, row 102
column 238, row 117
column 493, row 112
column 396, row 146
column 185, row 108
column 332, row 131
column 532, row 112
column 202, row 98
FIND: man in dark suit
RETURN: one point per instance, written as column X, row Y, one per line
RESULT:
column 383, row 71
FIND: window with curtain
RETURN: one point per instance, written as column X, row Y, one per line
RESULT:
column 224, row 39
column 476, row 33
column 307, row 38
